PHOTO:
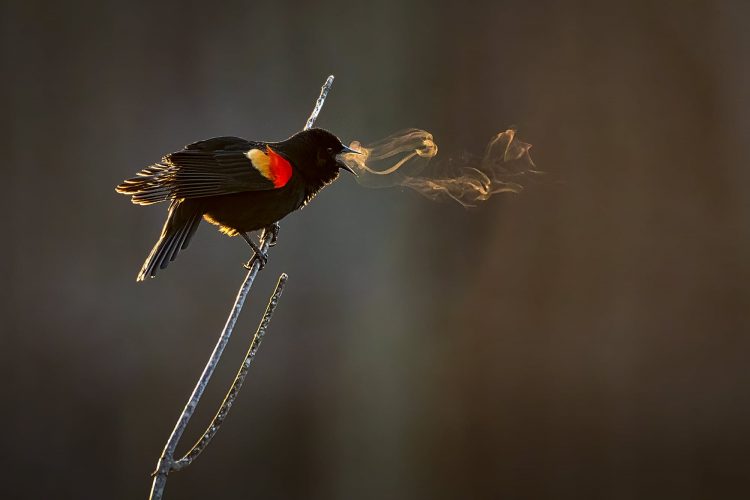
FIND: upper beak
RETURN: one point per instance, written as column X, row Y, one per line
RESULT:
column 347, row 150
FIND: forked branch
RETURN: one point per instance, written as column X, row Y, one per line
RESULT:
column 234, row 389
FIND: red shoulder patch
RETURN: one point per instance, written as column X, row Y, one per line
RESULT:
column 280, row 168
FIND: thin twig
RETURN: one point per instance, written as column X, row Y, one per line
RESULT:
column 226, row 405
column 167, row 462
column 319, row 103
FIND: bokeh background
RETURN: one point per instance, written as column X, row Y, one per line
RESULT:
column 587, row 338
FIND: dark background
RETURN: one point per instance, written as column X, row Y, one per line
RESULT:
column 587, row 338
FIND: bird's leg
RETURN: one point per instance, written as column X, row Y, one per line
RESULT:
column 274, row 229
column 258, row 254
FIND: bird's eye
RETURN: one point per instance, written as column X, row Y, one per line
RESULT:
column 330, row 150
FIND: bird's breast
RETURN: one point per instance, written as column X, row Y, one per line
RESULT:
column 253, row 210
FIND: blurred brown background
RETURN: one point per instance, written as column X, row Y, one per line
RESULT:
column 586, row 339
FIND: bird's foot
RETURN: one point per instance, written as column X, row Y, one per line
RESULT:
column 261, row 256
column 274, row 230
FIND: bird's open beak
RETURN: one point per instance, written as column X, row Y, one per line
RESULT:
column 347, row 168
column 347, row 150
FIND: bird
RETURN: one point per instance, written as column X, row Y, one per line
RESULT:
column 236, row 184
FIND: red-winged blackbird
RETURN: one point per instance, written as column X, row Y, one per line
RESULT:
column 238, row 185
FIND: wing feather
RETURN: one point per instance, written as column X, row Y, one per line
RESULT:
column 212, row 167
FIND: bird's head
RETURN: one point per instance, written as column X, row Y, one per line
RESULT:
column 316, row 153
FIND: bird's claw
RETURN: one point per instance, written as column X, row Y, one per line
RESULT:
column 260, row 255
column 274, row 230
column 262, row 258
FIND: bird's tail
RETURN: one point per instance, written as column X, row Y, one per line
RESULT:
column 182, row 221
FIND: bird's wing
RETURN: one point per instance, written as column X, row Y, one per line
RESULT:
column 218, row 166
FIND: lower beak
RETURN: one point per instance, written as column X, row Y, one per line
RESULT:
column 347, row 168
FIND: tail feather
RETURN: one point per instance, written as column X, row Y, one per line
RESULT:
column 175, row 247
column 182, row 237
column 182, row 222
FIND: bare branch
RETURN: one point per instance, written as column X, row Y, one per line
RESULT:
column 167, row 462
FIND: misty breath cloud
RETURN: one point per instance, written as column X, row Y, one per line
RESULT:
column 404, row 159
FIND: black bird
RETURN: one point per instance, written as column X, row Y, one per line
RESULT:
column 238, row 185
